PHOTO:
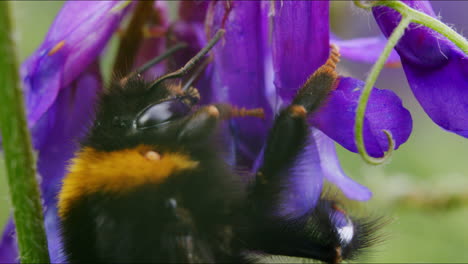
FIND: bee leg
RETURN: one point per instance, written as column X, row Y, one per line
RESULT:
column 273, row 228
column 200, row 125
column 278, row 227
column 285, row 143
column 205, row 120
column 317, row 87
column 290, row 131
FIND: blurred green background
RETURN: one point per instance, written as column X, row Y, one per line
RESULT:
column 423, row 189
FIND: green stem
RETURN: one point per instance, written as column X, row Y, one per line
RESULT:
column 19, row 160
column 371, row 79
column 428, row 21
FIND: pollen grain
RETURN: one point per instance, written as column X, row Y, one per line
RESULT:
column 298, row 111
column 56, row 48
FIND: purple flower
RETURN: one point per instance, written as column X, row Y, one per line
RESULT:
column 62, row 78
column 300, row 44
column 61, row 81
column 437, row 71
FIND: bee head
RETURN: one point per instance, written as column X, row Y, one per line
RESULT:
column 137, row 111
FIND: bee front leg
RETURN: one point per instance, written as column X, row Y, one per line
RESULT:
column 203, row 122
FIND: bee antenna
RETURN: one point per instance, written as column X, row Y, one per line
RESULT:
column 196, row 74
column 192, row 62
column 154, row 61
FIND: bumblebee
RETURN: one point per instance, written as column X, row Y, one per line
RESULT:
column 149, row 183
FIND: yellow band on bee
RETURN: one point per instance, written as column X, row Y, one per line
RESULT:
column 93, row 171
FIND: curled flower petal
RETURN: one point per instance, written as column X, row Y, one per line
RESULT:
column 300, row 42
column 74, row 41
column 239, row 72
column 334, row 173
column 365, row 49
column 437, row 71
column 384, row 112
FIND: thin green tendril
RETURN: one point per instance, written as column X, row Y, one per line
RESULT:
column 371, row 79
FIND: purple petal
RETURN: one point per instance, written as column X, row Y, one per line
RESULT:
column 194, row 35
column 443, row 93
column 365, row 50
column 69, row 119
column 54, row 239
column 239, row 72
column 334, row 173
column 191, row 30
column 420, row 45
column 436, row 70
column 300, row 42
column 63, row 124
column 302, row 184
column 42, row 81
column 384, row 111
column 75, row 39
column 8, row 248
column 86, row 27
column 193, row 11
column 154, row 46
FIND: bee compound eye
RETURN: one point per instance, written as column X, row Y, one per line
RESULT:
column 161, row 112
